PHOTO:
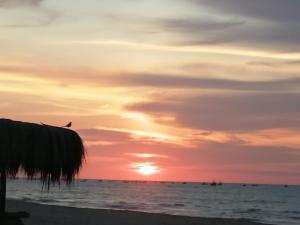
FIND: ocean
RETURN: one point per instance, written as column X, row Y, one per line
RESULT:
column 271, row 204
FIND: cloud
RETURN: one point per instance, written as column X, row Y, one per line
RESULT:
column 198, row 80
column 101, row 136
column 208, row 153
column 19, row 3
column 173, row 81
column 262, row 25
column 23, row 105
column 276, row 137
column 274, row 64
column 111, row 136
column 195, row 25
column 234, row 112
column 236, row 153
column 197, row 30
column 269, row 24
column 273, row 10
column 145, row 155
column 273, row 37
column 27, row 13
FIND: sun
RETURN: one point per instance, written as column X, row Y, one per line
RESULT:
column 146, row 168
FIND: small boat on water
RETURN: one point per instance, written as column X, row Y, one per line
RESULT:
column 213, row 183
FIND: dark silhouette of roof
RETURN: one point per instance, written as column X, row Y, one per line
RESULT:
column 40, row 151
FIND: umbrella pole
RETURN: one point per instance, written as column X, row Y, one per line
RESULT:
column 2, row 191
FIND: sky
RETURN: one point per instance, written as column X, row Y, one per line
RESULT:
column 176, row 90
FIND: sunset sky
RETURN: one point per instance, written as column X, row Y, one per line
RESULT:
column 184, row 90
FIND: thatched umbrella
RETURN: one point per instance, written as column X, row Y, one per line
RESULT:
column 39, row 151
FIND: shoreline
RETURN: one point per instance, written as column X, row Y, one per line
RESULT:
column 174, row 182
column 61, row 215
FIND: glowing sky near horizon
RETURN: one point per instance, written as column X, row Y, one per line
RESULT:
column 184, row 90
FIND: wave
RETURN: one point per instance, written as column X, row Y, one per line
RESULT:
column 171, row 205
column 262, row 201
column 250, row 210
column 125, row 205
column 291, row 212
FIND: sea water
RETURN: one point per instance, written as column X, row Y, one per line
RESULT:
column 271, row 204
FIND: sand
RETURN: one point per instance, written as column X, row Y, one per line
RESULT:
column 58, row 215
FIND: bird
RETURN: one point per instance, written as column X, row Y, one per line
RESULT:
column 68, row 125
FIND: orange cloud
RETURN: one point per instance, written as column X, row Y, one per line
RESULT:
column 146, row 155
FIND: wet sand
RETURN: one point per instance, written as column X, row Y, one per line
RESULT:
column 58, row 215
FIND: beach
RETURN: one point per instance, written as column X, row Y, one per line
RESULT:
column 58, row 215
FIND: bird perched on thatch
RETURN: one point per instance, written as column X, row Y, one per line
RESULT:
column 68, row 125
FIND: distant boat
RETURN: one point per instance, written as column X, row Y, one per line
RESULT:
column 286, row 186
column 183, row 182
column 213, row 183
column 244, row 185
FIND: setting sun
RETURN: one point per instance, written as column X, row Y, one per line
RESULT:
column 146, row 168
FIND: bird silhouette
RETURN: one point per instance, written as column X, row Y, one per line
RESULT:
column 68, row 125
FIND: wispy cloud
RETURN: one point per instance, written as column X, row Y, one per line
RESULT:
column 191, row 48
column 171, row 81
column 274, row 64
column 27, row 13
column 231, row 112
column 270, row 24
column 19, row 3
column 146, row 155
column 196, row 24
column 119, row 135
column 273, row 10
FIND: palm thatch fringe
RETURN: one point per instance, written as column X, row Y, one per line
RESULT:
column 39, row 151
